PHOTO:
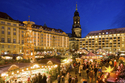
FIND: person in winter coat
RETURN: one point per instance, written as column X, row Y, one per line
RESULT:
column 63, row 79
column 67, row 76
column 76, row 79
column 95, row 70
column 70, row 79
column 40, row 78
column 87, row 71
column 79, row 71
column 44, row 79
column 58, row 78
column 91, row 76
column 73, row 80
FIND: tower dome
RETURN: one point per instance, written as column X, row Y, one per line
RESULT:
column 76, row 13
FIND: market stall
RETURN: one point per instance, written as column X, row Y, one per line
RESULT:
column 90, row 57
column 23, row 74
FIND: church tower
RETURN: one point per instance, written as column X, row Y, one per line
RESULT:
column 76, row 27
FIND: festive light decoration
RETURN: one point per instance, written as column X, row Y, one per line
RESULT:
column 36, row 66
column 17, row 71
column 109, row 69
column 12, row 73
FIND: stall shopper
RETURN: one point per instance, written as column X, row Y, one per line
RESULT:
column 44, row 79
column 58, row 78
column 91, row 76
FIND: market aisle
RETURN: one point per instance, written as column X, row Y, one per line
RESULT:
column 80, row 78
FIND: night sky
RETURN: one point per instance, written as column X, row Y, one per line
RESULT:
column 94, row 14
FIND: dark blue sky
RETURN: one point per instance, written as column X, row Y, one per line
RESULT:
column 94, row 14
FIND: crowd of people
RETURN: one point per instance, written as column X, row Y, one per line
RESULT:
column 36, row 79
column 90, row 68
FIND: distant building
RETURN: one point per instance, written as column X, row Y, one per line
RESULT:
column 111, row 40
column 45, row 39
column 76, row 31
column 76, row 27
column 69, row 34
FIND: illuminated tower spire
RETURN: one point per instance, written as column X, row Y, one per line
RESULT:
column 76, row 27
column 76, row 6
column 28, row 18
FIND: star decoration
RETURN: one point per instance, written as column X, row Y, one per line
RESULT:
column 109, row 69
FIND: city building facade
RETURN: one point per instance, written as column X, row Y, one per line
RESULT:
column 12, row 33
column 111, row 40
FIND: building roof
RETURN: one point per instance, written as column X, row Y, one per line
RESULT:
column 6, row 16
column 107, row 31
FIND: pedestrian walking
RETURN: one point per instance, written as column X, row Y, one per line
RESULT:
column 79, row 71
column 91, row 76
column 67, row 76
column 73, row 80
column 44, row 79
column 95, row 70
column 76, row 79
column 70, row 79
column 58, row 78
column 40, row 78
column 63, row 79
column 87, row 71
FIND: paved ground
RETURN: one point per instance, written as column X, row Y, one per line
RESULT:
column 83, row 76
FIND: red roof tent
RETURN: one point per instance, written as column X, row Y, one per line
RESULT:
column 90, row 54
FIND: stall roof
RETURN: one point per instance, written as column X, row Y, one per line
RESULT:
column 90, row 54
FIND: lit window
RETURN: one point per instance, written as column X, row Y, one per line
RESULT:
column 2, row 32
column 9, row 40
column 8, row 33
column 8, row 28
column 14, row 29
column 2, row 22
column 106, row 32
column 8, row 46
column 22, row 41
column 14, row 46
column 14, row 24
column 2, row 27
column 2, row 39
column 22, row 31
column 2, row 46
column 14, row 40
column 9, row 23
column 14, row 33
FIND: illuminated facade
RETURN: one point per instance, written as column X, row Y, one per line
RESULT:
column 45, row 39
column 111, row 40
